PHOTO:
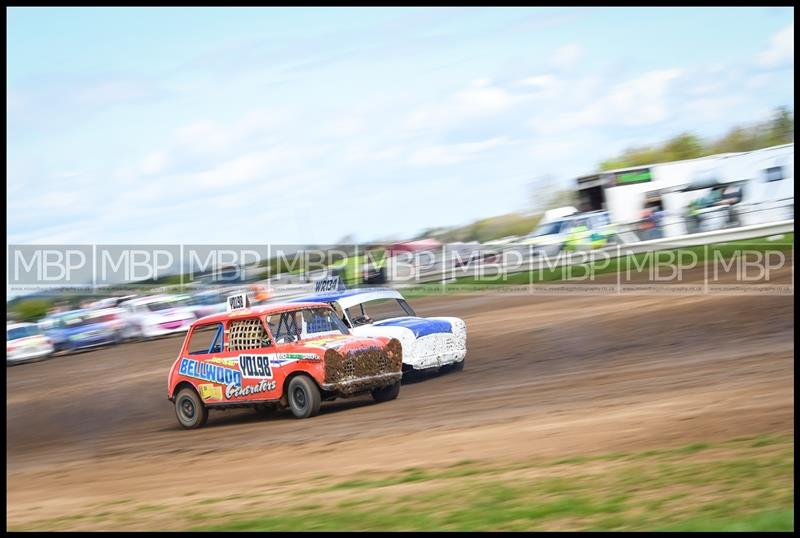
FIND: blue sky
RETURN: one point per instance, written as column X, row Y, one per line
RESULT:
column 263, row 125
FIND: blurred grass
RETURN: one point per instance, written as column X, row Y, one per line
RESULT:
column 744, row 484
column 636, row 264
column 488, row 229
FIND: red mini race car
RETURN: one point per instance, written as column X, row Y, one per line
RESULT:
column 278, row 355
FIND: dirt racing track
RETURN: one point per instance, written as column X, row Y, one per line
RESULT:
column 545, row 376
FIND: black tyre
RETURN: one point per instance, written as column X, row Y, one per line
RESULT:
column 304, row 397
column 189, row 409
column 384, row 394
column 454, row 367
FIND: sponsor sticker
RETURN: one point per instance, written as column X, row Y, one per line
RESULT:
column 327, row 284
column 282, row 359
column 231, row 362
column 210, row 392
column 264, row 385
column 210, row 372
column 333, row 342
column 237, row 301
column 255, row 366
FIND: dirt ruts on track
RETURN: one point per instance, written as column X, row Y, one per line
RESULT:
column 545, row 376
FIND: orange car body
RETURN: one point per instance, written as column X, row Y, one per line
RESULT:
column 236, row 371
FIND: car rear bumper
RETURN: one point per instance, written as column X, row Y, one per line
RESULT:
column 26, row 355
column 436, row 360
column 152, row 331
column 94, row 342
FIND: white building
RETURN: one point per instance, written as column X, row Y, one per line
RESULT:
column 766, row 177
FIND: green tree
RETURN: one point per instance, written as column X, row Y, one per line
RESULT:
column 684, row 146
column 777, row 130
column 31, row 309
column 781, row 128
column 737, row 139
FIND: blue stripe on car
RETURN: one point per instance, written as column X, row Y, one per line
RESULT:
column 332, row 296
column 419, row 326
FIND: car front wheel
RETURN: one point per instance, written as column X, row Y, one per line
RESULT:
column 384, row 394
column 304, row 397
column 453, row 367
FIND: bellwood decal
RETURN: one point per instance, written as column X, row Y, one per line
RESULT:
column 210, row 372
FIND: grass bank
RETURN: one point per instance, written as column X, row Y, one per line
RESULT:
column 723, row 259
column 743, row 484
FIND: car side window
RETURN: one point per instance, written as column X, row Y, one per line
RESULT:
column 358, row 315
column 206, row 339
column 248, row 333
column 340, row 313
column 288, row 328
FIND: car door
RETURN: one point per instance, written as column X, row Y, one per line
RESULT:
column 292, row 351
column 205, row 361
column 250, row 345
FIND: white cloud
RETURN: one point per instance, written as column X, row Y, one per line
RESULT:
column 455, row 153
column 539, row 81
column 484, row 98
column 154, row 163
column 713, row 108
column 759, row 81
column 480, row 99
column 567, row 56
column 255, row 155
column 115, row 92
column 781, row 49
column 635, row 102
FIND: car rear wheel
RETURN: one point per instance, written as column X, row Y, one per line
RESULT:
column 384, row 394
column 190, row 409
column 304, row 397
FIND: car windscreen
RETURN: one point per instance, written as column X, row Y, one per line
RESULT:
column 164, row 305
column 103, row 318
column 548, row 228
column 76, row 320
column 378, row 310
column 306, row 323
column 600, row 220
column 207, row 300
column 21, row 332
column 322, row 320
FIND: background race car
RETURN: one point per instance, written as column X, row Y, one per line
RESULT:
column 80, row 329
column 157, row 315
column 25, row 342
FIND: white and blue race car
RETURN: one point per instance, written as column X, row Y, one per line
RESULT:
column 439, row 342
